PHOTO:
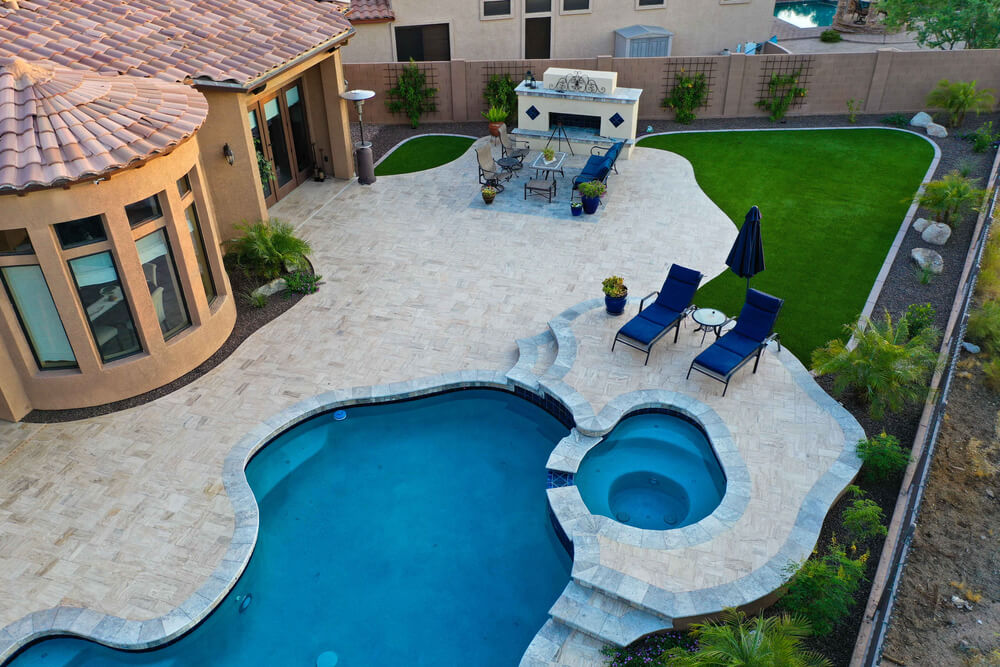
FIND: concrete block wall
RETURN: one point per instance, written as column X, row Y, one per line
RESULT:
column 885, row 81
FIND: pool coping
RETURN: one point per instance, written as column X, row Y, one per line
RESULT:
column 583, row 528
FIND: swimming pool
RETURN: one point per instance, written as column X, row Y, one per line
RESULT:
column 413, row 533
column 808, row 14
column 653, row 471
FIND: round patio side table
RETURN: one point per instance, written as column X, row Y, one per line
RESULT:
column 709, row 319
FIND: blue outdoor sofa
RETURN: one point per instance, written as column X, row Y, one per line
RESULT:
column 598, row 166
column 753, row 331
column 672, row 305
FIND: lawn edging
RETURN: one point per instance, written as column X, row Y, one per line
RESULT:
column 885, row 583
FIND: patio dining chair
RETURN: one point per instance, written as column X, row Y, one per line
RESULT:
column 747, row 340
column 490, row 172
column 672, row 305
column 509, row 146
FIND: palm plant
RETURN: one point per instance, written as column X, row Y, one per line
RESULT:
column 266, row 248
column 952, row 197
column 958, row 98
column 750, row 642
column 886, row 367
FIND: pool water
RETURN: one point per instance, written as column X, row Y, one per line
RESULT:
column 808, row 14
column 415, row 533
column 653, row 471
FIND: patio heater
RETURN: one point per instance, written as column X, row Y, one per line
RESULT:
column 362, row 149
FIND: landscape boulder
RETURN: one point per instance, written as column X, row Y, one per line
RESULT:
column 936, row 233
column 927, row 260
column 271, row 288
column 935, row 130
column 920, row 224
column 922, row 119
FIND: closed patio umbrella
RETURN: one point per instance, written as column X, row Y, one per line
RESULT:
column 746, row 259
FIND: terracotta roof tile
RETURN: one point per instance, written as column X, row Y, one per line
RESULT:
column 61, row 125
column 362, row 11
column 172, row 39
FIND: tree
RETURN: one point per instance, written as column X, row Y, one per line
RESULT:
column 751, row 642
column 944, row 24
column 958, row 98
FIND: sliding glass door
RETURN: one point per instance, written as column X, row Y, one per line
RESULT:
column 280, row 133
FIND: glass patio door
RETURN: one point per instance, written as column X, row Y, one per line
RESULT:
column 280, row 133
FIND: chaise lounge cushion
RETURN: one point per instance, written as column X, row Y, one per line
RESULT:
column 718, row 359
column 685, row 283
column 641, row 329
column 758, row 315
column 661, row 315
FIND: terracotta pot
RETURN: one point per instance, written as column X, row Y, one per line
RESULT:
column 495, row 128
column 487, row 198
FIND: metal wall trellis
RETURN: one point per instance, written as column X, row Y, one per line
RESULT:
column 514, row 68
column 393, row 70
column 783, row 66
column 690, row 66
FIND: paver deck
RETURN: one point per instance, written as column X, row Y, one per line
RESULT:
column 126, row 514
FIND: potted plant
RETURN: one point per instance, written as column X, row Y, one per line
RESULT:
column 615, row 294
column 496, row 116
column 548, row 155
column 576, row 207
column 590, row 194
column 488, row 192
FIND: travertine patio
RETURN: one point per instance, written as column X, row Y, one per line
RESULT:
column 127, row 514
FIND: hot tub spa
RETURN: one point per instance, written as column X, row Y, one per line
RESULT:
column 654, row 471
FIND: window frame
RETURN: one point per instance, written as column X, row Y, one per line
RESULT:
column 159, row 206
column 483, row 16
column 570, row 12
column 24, row 329
column 104, row 227
column 659, row 4
column 177, row 279
column 423, row 24
column 125, row 298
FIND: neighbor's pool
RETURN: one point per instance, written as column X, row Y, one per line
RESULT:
column 415, row 533
column 809, row 14
column 653, row 471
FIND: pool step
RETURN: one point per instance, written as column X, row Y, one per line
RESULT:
column 605, row 618
column 557, row 645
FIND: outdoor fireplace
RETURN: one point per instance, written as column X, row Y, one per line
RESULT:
column 585, row 107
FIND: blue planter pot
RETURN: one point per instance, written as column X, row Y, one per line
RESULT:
column 615, row 305
column 577, row 210
column 590, row 204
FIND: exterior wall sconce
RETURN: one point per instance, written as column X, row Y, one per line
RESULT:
column 228, row 153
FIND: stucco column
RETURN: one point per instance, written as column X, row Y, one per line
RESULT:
column 880, row 76
column 337, row 120
column 184, row 256
column 14, row 402
column 133, row 281
column 67, row 299
column 734, row 85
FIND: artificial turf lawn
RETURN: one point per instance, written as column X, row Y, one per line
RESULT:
column 422, row 153
column 831, row 202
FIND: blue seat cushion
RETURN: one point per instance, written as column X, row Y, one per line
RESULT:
column 679, row 288
column 738, row 344
column 760, row 311
column 641, row 329
column 718, row 359
column 660, row 315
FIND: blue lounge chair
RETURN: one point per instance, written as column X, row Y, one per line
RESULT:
column 753, row 331
column 598, row 166
column 672, row 305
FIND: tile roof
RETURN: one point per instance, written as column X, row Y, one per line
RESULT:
column 59, row 125
column 220, row 40
column 370, row 11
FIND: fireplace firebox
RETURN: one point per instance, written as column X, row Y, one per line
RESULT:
column 590, row 124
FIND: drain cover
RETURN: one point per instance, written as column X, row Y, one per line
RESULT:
column 326, row 659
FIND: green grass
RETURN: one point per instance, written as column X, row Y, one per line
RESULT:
column 422, row 153
column 831, row 202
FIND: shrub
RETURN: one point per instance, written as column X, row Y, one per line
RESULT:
column 689, row 93
column 882, row 456
column 822, row 590
column 988, row 281
column 951, row 197
column 863, row 518
column 984, row 137
column 984, row 326
column 959, row 98
column 992, row 371
column 853, row 107
column 896, row 120
column 592, row 189
column 265, row 248
column 736, row 639
column 303, row 282
column 499, row 92
column 830, row 36
column 411, row 95
column 918, row 317
column 255, row 299
column 649, row 650
column 782, row 90
column 887, row 367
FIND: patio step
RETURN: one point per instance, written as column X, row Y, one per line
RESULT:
column 558, row 645
column 612, row 621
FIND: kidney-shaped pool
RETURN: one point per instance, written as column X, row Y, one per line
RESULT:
column 412, row 533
